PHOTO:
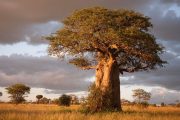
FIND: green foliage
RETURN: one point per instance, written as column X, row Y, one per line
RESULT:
column 141, row 95
column 121, row 34
column 143, row 104
column 97, row 34
column 39, row 97
column 154, row 105
column 80, row 62
column 55, row 101
column 74, row 99
column 17, row 92
column 163, row 104
column 44, row 100
column 65, row 100
column 98, row 100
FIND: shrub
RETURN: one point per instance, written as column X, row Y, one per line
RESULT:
column 97, row 100
column 55, row 101
column 178, row 105
column 44, row 100
column 143, row 105
column 163, row 104
column 154, row 105
column 65, row 100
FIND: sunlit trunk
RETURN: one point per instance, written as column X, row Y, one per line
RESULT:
column 107, row 79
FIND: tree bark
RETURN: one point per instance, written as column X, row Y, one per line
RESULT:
column 107, row 79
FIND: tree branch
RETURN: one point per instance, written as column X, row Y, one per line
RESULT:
column 130, row 70
column 88, row 67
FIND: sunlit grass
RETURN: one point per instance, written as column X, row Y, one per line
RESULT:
column 54, row 112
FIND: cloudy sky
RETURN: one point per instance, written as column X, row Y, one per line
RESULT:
column 24, row 59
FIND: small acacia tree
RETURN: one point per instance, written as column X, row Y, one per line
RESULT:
column 39, row 97
column 18, row 92
column 141, row 95
column 111, row 42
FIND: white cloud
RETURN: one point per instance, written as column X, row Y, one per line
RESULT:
column 23, row 48
column 42, row 72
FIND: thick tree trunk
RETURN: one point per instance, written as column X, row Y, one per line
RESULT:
column 107, row 79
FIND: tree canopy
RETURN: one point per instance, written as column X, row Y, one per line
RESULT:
column 65, row 100
column 39, row 97
column 141, row 95
column 112, row 42
column 98, row 34
column 17, row 92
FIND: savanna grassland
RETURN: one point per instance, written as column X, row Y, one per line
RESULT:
column 54, row 112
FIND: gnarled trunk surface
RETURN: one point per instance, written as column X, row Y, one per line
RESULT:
column 107, row 79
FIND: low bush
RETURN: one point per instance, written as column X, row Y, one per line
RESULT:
column 143, row 105
column 97, row 101
column 65, row 100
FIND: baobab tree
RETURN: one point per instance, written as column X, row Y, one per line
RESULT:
column 111, row 42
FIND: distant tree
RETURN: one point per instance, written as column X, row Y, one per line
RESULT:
column 82, row 99
column 163, row 104
column 74, row 99
column 39, row 97
column 147, row 96
column 45, row 100
column 65, row 100
column 177, row 101
column 141, row 95
column 1, row 94
column 18, row 92
column 125, row 102
column 111, row 42
column 55, row 101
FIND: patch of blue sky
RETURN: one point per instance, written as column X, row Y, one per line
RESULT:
column 23, row 48
column 174, row 8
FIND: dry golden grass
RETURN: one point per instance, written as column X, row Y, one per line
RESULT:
column 54, row 112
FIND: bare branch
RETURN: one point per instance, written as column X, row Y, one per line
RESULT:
column 130, row 70
column 88, row 67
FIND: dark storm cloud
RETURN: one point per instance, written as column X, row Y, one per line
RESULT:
column 167, row 77
column 18, row 16
column 166, row 27
column 36, row 33
column 171, row 2
column 42, row 72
